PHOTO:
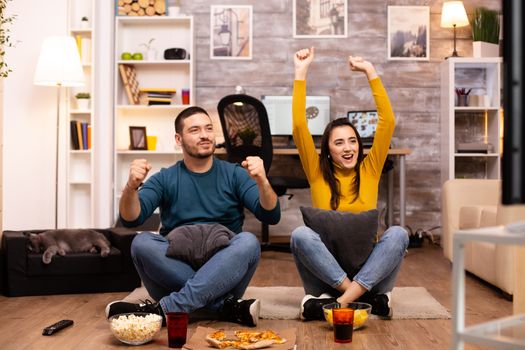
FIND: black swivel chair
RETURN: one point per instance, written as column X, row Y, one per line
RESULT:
column 246, row 130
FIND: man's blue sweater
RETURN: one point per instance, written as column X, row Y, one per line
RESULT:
column 216, row 196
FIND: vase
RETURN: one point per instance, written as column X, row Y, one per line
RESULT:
column 151, row 55
column 483, row 49
column 83, row 103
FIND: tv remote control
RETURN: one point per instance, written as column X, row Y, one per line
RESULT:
column 55, row 327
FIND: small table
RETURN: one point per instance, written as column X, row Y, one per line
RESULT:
column 504, row 333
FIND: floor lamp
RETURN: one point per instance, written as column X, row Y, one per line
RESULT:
column 59, row 65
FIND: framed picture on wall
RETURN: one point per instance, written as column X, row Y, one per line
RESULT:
column 408, row 33
column 231, row 32
column 320, row 18
column 137, row 138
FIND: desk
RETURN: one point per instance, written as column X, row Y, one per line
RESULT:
column 506, row 333
column 399, row 153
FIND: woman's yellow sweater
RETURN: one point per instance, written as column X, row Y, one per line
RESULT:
column 371, row 167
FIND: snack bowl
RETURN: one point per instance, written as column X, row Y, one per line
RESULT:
column 135, row 328
column 361, row 312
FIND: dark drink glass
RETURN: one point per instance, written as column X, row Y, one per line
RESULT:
column 343, row 324
column 177, row 324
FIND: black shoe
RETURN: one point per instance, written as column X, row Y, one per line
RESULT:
column 121, row 307
column 312, row 307
column 381, row 304
column 245, row 312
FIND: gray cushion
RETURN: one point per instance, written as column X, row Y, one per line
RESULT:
column 196, row 244
column 349, row 237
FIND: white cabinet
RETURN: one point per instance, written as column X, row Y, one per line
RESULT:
column 471, row 128
column 79, row 205
column 153, row 73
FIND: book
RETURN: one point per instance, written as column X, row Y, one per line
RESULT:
column 74, row 135
column 164, row 90
column 85, row 53
column 78, row 39
column 89, row 136
column 79, row 133
column 84, row 135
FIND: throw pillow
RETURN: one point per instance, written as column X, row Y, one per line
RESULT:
column 196, row 244
column 349, row 237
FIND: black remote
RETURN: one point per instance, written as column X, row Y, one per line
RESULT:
column 55, row 327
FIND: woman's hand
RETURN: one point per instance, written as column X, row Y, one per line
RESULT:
column 358, row 64
column 302, row 60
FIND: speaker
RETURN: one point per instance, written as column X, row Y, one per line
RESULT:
column 174, row 54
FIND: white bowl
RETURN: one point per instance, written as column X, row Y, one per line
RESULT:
column 135, row 328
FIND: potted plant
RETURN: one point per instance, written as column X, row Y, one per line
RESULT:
column 485, row 32
column 151, row 52
column 84, row 22
column 83, row 100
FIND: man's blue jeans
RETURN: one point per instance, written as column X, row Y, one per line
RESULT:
column 321, row 273
column 178, row 287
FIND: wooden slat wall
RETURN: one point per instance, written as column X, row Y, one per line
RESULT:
column 413, row 86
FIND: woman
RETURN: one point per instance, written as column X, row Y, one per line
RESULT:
column 341, row 178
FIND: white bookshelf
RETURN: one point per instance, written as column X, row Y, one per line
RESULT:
column 478, row 122
column 168, row 32
column 80, row 168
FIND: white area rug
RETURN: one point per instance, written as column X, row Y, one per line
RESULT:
column 282, row 303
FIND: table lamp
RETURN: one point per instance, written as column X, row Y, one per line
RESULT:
column 453, row 15
column 58, row 65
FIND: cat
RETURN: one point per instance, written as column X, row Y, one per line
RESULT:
column 64, row 241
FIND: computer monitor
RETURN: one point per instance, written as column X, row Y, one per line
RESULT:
column 279, row 109
column 366, row 123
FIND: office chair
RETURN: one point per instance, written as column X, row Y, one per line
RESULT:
column 246, row 130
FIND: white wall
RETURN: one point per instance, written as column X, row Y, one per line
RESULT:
column 29, row 112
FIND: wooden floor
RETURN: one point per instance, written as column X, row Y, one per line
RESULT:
column 22, row 319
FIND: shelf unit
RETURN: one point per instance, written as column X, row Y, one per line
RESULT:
column 168, row 32
column 479, row 122
column 80, row 168
column 504, row 333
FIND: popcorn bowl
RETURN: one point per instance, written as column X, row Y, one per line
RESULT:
column 135, row 328
column 361, row 312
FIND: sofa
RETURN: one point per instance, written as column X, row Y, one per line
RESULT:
column 24, row 273
column 470, row 204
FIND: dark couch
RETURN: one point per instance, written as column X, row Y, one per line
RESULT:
column 24, row 273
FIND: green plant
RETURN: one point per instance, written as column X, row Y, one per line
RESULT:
column 83, row 95
column 5, row 21
column 485, row 25
column 148, row 45
column 247, row 136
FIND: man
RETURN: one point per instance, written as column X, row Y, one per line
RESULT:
column 200, row 189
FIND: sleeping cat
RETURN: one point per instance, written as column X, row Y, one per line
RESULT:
column 64, row 241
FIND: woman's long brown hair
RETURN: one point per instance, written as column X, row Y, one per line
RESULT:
column 327, row 166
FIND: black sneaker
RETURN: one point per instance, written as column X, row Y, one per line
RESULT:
column 245, row 312
column 312, row 307
column 381, row 304
column 121, row 307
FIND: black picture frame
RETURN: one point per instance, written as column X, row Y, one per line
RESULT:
column 137, row 138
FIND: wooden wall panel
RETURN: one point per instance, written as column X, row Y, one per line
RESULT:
column 413, row 86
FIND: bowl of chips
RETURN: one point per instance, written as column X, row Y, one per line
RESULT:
column 361, row 312
column 135, row 328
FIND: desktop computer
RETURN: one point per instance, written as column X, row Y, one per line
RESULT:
column 279, row 109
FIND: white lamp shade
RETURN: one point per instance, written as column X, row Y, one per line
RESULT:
column 453, row 14
column 59, row 63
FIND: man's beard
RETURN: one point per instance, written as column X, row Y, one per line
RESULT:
column 193, row 151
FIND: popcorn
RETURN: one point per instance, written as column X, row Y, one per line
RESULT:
column 135, row 329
